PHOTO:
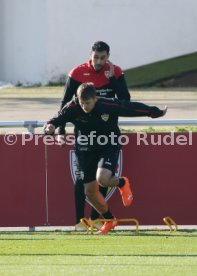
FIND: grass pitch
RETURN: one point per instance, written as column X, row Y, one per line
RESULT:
column 150, row 74
column 154, row 253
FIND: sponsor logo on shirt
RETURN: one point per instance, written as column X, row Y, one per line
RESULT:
column 103, row 92
column 106, row 74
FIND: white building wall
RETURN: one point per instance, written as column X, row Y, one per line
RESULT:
column 43, row 39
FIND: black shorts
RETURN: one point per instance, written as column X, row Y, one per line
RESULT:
column 90, row 161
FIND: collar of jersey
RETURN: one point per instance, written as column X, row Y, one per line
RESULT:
column 105, row 67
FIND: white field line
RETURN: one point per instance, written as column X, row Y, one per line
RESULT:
column 72, row 228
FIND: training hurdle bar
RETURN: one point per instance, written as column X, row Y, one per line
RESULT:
column 89, row 223
column 169, row 222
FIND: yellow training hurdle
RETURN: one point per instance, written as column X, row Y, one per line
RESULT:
column 169, row 222
column 89, row 223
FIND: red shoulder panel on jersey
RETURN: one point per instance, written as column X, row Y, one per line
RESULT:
column 117, row 71
column 77, row 72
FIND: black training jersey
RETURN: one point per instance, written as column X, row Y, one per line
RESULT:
column 103, row 119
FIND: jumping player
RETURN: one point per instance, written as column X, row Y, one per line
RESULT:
column 94, row 117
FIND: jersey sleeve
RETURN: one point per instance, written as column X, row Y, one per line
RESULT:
column 125, row 108
column 134, row 109
column 70, row 90
column 119, row 84
column 77, row 73
column 137, row 109
column 64, row 115
column 120, row 87
column 118, row 71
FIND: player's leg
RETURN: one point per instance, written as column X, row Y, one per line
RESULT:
column 80, row 201
column 79, row 198
column 94, row 213
column 87, row 164
column 92, row 189
column 98, row 202
column 106, row 175
column 79, row 204
column 95, row 197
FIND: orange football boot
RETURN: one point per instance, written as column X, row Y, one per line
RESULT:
column 107, row 226
column 126, row 193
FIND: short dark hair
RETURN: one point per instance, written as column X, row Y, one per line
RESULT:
column 86, row 91
column 100, row 46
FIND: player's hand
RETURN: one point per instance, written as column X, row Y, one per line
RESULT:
column 111, row 69
column 49, row 129
column 156, row 112
column 61, row 140
column 165, row 110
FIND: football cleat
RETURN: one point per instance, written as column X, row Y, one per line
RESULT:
column 126, row 193
column 107, row 226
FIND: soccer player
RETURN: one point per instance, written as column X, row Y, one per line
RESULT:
column 94, row 118
column 109, row 82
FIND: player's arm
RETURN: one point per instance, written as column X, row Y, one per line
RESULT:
column 120, row 87
column 118, row 83
column 52, row 124
column 69, row 91
column 137, row 109
column 63, row 116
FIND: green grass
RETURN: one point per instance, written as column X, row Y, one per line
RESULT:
column 154, row 253
column 148, row 75
column 32, row 92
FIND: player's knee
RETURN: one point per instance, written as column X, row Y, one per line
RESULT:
column 102, row 180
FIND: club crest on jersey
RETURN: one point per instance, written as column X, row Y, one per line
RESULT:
column 106, row 74
column 76, row 173
column 105, row 117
